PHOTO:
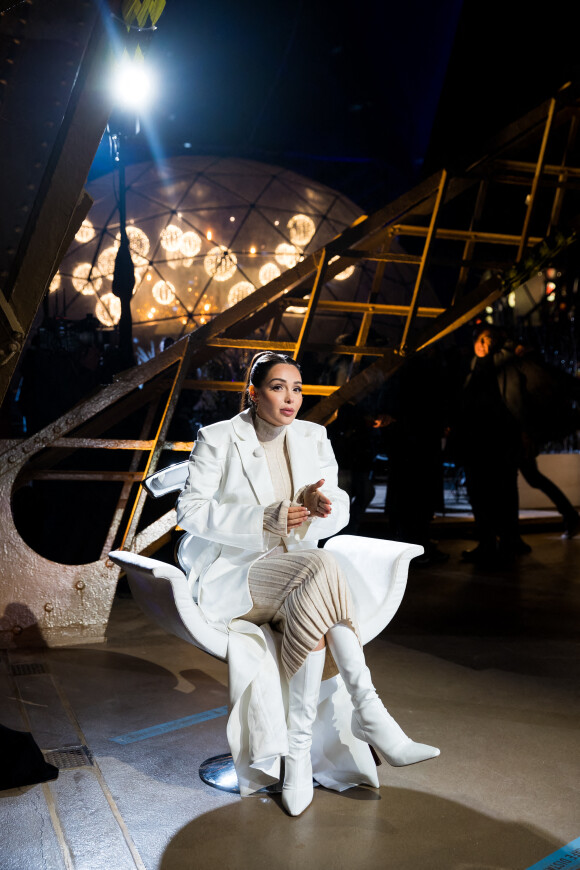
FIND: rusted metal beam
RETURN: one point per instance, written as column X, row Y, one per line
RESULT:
column 464, row 235
column 55, row 212
column 469, row 245
column 157, row 448
column 89, row 408
column 69, row 474
column 125, row 494
column 424, row 260
column 538, row 171
column 529, row 168
column 410, row 259
column 313, row 298
column 367, row 318
column 238, row 386
column 252, row 344
column 116, row 444
column 364, row 383
column 375, row 308
column 564, row 174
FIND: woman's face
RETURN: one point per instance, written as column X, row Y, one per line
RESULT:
column 279, row 398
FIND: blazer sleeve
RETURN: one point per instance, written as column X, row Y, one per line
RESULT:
column 200, row 510
column 318, row 528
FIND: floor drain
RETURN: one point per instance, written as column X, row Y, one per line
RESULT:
column 69, row 757
column 24, row 669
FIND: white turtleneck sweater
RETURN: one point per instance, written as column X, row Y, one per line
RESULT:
column 273, row 440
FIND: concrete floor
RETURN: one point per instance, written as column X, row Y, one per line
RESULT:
column 484, row 665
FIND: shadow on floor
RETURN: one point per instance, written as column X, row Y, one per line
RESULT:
column 417, row 831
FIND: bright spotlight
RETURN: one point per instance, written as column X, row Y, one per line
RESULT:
column 132, row 84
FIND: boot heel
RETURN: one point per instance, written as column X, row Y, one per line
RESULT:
column 383, row 738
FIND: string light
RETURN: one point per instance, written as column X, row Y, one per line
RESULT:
column 190, row 244
column 106, row 261
column 86, row 232
column 170, row 237
column 301, row 228
column 287, row 255
column 268, row 272
column 163, row 292
column 138, row 241
column 55, row 283
column 346, row 273
column 108, row 309
column 239, row 291
column 187, row 257
column 81, row 281
column 220, row 263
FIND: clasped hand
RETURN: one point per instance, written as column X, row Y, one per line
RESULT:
column 316, row 504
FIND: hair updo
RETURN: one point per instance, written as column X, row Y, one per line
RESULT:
column 259, row 368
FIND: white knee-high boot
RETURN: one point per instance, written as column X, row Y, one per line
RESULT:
column 304, row 691
column 371, row 722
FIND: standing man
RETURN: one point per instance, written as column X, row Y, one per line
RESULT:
column 489, row 433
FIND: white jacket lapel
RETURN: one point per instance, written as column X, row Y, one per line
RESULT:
column 253, row 458
column 303, row 458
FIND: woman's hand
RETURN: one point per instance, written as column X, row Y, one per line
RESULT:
column 297, row 514
column 317, row 503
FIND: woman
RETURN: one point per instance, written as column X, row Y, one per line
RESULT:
column 261, row 492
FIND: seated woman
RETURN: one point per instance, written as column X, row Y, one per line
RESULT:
column 261, row 492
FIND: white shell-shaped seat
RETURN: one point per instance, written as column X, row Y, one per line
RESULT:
column 376, row 571
column 162, row 592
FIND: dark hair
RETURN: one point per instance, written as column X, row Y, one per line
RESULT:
column 259, row 368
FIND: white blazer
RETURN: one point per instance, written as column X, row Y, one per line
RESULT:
column 223, row 502
column 222, row 507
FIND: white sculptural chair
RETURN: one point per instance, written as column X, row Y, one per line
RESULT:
column 376, row 570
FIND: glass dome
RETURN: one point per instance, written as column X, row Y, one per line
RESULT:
column 204, row 232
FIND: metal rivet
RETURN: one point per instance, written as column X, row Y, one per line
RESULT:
column 48, row 607
column 80, row 584
column 17, row 629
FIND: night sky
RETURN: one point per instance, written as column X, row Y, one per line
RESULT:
column 348, row 99
column 367, row 100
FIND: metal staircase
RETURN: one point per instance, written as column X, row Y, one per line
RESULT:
column 471, row 235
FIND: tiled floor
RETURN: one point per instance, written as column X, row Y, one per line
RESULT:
column 485, row 665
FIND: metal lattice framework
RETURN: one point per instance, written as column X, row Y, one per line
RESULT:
column 489, row 227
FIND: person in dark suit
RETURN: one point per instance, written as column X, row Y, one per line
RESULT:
column 491, row 420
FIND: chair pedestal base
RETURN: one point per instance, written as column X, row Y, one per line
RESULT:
column 219, row 772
